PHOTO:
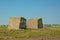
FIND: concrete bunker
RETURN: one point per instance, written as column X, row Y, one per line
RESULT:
column 17, row 23
column 35, row 23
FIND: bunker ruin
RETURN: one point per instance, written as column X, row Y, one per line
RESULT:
column 17, row 23
column 35, row 23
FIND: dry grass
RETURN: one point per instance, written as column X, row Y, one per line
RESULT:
column 43, row 33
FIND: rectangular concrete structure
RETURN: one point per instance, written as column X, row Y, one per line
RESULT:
column 17, row 23
column 35, row 23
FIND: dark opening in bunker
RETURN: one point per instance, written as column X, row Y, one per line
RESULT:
column 23, row 23
column 40, row 24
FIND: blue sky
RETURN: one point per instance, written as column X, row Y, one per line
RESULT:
column 48, row 10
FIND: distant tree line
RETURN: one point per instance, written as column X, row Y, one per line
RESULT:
column 3, row 25
column 51, row 25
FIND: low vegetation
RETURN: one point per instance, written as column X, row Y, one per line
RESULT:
column 26, row 33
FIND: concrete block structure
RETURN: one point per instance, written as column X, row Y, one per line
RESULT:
column 17, row 23
column 35, row 23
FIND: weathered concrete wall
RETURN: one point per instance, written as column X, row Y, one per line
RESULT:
column 17, row 23
column 35, row 23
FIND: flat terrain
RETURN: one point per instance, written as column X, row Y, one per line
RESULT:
column 46, row 33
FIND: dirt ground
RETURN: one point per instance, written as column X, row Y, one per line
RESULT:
column 40, row 37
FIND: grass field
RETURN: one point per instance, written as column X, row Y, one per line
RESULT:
column 46, row 33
